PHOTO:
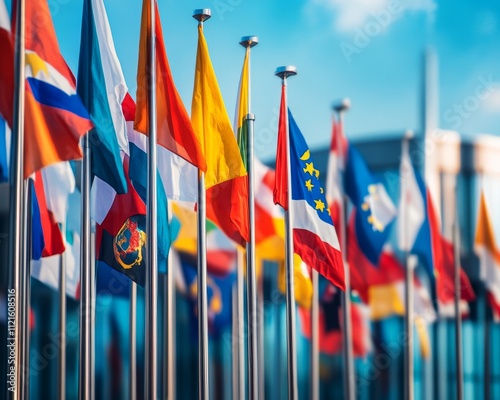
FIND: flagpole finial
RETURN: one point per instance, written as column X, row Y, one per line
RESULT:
column 342, row 105
column 286, row 71
column 249, row 41
column 202, row 14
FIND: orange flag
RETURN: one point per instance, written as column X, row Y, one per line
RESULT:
column 175, row 131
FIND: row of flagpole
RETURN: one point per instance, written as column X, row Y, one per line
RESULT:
column 20, row 250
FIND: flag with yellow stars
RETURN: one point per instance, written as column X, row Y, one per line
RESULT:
column 375, row 211
column 314, row 237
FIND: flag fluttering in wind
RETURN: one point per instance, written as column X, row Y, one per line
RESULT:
column 225, row 177
column 178, row 177
column 314, row 237
column 102, row 87
column 121, row 217
column 174, row 128
column 55, row 117
column 375, row 210
column 221, row 252
column 444, row 264
column 489, row 256
column 63, row 206
column 45, row 232
column 269, row 219
column 120, row 229
column 335, row 169
column 382, row 287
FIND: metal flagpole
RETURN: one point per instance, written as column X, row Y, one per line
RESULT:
column 235, row 334
column 252, row 313
column 15, row 290
column 458, row 314
column 350, row 392
column 315, row 337
column 169, row 322
column 26, row 283
column 239, row 366
column 151, row 286
column 201, row 15
column 487, row 349
column 86, row 387
column 133, row 341
column 260, row 333
column 408, row 317
column 284, row 73
column 61, row 384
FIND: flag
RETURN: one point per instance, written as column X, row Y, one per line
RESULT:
column 269, row 219
column 101, row 85
column 335, row 168
column 383, row 286
column 46, row 269
column 303, row 289
column 489, row 256
column 314, row 237
column 411, row 204
column 330, row 324
column 211, row 122
column 174, row 128
column 46, row 235
column 375, row 210
column 225, row 178
column 219, row 297
column 178, row 177
column 55, row 117
column 438, row 250
column 59, row 183
column 221, row 252
column 120, row 229
column 4, row 150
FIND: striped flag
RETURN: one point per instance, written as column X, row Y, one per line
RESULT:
column 314, row 237
column 225, row 179
column 102, row 87
column 55, row 116
column 175, row 131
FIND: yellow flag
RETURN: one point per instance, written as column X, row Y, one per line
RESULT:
column 302, row 282
column 211, row 122
column 385, row 301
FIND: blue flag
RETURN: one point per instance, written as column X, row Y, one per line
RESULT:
column 375, row 211
column 102, row 88
column 219, row 300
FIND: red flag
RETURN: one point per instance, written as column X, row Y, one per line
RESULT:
column 444, row 263
column 281, row 184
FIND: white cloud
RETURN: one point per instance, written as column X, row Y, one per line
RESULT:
column 349, row 15
column 492, row 102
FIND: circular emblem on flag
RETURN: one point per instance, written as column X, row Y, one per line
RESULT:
column 129, row 242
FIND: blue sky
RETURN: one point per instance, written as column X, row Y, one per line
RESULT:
column 367, row 50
